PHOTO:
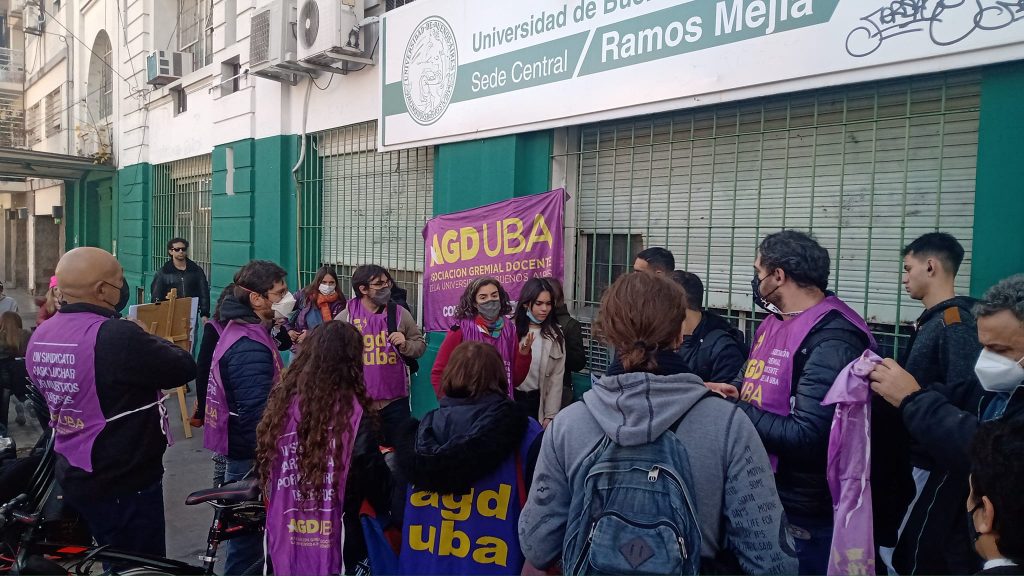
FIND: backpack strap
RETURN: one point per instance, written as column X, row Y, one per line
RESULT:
column 392, row 309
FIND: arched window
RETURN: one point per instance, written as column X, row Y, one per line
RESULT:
column 100, row 98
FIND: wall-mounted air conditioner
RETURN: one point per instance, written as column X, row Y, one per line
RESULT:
column 34, row 18
column 166, row 67
column 330, row 32
column 272, row 42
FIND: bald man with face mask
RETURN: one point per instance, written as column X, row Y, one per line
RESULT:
column 102, row 379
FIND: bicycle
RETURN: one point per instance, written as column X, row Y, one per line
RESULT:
column 28, row 521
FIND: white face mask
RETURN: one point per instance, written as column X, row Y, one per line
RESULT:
column 283, row 308
column 997, row 373
column 327, row 289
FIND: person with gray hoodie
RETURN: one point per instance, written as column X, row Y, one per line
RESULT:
column 741, row 521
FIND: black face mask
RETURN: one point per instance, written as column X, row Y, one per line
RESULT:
column 125, row 295
column 760, row 299
column 971, row 530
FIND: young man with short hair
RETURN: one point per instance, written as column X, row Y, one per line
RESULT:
column 656, row 260
column 712, row 347
column 918, row 501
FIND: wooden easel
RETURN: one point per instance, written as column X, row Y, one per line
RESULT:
column 171, row 319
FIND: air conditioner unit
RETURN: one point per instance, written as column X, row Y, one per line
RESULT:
column 34, row 18
column 166, row 67
column 329, row 32
column 272, row 52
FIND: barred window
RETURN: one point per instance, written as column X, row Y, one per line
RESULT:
column 33, row 124
column 54, row 113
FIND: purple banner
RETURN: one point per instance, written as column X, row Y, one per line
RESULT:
column 513, row 241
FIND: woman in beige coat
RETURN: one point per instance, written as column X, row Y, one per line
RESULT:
column 541, row 392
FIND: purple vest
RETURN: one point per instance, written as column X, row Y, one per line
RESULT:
column 304, row 536
column 768, row 377
column 215, row 423
column 383, row 369
column 506, row 343
column 849, row 469
column 476, row 533
column 61, row 363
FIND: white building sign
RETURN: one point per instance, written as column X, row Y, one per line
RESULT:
column 463, row 69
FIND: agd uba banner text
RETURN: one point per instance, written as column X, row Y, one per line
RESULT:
column 513, row 241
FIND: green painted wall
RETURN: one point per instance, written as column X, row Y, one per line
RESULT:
column 233, row 212
column 133, row 188
column 498, row 169
column 256, row 219
column 999, row 243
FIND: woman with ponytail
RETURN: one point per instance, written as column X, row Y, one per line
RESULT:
column 641, row 316
column 304, row 450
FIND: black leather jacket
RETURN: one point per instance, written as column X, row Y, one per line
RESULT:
column 190, row 282
column 800, row 440
column 716, row 350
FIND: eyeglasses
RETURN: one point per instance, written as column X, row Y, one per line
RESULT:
column 179, row 249
column 382, row 284
column 278, row 293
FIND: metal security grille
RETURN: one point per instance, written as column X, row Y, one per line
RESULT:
column 392, row 4
column 865, row 168
column 34, row 124
column 54, row 112
column 360, row 206
column 181, row 208
column 12, row 121
column 195, row 30
column 106, row 108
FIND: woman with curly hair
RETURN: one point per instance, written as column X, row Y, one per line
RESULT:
column 482, row 316
column 304, row 448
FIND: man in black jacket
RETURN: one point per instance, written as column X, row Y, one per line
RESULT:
column 944, row 431
column 790, row 280
column 102, row 379
column 940, row 356
column 712, row 347
column 182, row 273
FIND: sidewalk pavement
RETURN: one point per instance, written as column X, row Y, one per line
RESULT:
column 26, row 306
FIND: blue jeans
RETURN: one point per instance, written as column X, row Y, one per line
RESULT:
column 244, row 551
column 131, row 522
column 813, row 537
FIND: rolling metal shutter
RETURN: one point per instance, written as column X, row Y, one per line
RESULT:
column 361, row 206
column 865, row 168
